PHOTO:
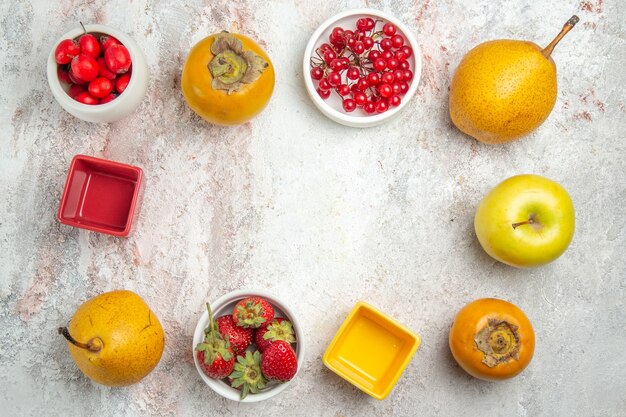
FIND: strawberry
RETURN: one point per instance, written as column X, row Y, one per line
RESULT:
column 277, row 329
column 279, row 362
column 239, row 337
column 247, row 374
column 215, row 353
column 253, row 312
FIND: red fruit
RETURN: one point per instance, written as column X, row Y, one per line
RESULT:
column 362, row 24
column 117, row 58
column 369, row 107
column 394, row 101
column 324, row 94
column 74, row 79
column 122, row 82
column 324, row 84
column 278, row 329
column 66, row 50
column 89, row 45
column 360, row 98
column 349, row 105
column 373, row 78
column 253, row 312
column 104, row 71
column 107, row 40
column 63, row 75
column 329, row 55
column 386, row 44
column 373, row 55
column 407, row 50
column 247, row 375
column 380, row 64
column 389, row 29
column 353, row 73
column 343, row 90
column 86, row 98
column 75, row 90
column 215, row 354
column 85, row 67
column 108, row 98
column 382, row 106
column 334, row 78
column 100, row 87
column 279, row 362
column 363, row 84
column 397, row 41
column 239, row 337
column 385, row 90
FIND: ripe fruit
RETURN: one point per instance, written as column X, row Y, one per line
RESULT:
column 525, row 221
column 65, row 51
column 247, row 374
column 106, row 41
column 63, row 75
column 104, row 70
column 238, row 337
column 89, row 45
column 117, row 58
column 492, row 339
column 227, row 79
column 108, row 98
column 74, row 90
column 279, row 362
column 278, row 329
column 100, row 87
column 114, row 338
column 85, row 67
column 86, row 98
column 122, row 82
column 215, row 355
column 504, row 89
column 253, row 312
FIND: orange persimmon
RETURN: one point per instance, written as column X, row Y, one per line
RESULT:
column 492, row 339
column 227, row 78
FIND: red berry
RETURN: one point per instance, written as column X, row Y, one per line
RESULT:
column 362, row 24
column 347, row 34
column 324, row 94
column 75, row 79
column 354, row 88
column 363, row 84
column 117, row 58
column 380, row 64
column 317, row 73
column 397, row 41
column 63, row 74
column 325, row 47
column 387, row 77
column 385, row 90
column 75, row 90
column 396, row 88
column 389, row 29
column 400, row 56
column 353, row 73
column 351, row 42
column 253, row 312
column 368, row 42
column 85, row 67
column 392, row 63
column 386, row 44
column 408, row 75
column 89, row 45
column 66, row 50
column 337, row 33
column 278, row 329
column 358, row 47
column 108, row 98
column 373, row 78
column 360, row 98
column 336, row 64
column 370, row 23
column 345, row 63
column 373, row 55
column 86, row 98
column 108, row 40
column 100, row 87
column 386, row 55
column 238, row 337
column 407, row 50
column 404, row 65
column 404, row 87
column 394, row 101
column 382, row 106
column 369, row 107
column 279, row 362
column 398, row 75
column 329, row 55
column 324, row 84
column 343, row 90
column 334, row 79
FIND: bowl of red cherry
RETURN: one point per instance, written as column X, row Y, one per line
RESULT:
column 97, row 73
column 361, row 67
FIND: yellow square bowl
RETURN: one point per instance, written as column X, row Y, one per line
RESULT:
column 371, row 350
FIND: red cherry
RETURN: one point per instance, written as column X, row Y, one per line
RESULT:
column 385, row 90
column 324, row 84
column 382, row 106
column 386, row 44
column 324, row 94
column 86, row 98
column 100, row 87
column 89, row 45
column 334, row 79
column 373, row 78
column 108, row 98
column 329, row 55
column 353, row 73
column 65, row 51
column 104, row 71
column 75, row 90
column 317, row 73
column 389, row 29
column 108, row 40
column 343, row 90
column 349, row 105
column 380, row 64
column 85, row 67
column 74, row 79
column 397, row 41
column 63, row 75
column 394, row 101
column 117, row 58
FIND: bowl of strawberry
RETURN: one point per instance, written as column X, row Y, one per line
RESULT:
column 248, row 346
column 361, row 67
column 97, row 73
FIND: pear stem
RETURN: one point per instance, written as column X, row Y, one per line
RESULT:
column 94, row 345
column 547, row 51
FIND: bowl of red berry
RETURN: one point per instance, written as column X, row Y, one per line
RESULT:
column 248, row 346
column 97, row 73
column 361, row 67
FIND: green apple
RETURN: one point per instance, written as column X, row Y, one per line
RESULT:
column 525, row 221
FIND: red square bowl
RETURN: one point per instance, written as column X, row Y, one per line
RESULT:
column 100, row 195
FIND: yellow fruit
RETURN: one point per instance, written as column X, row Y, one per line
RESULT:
column 114, row 338
column 504, row 89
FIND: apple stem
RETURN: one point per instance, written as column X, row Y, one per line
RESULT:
column 547, row 51
column 85, row 30
column 516, row 225
column 94, row 345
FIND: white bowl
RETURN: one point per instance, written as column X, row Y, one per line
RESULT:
column 332, row 107
column 125, row 103
column 225, row 305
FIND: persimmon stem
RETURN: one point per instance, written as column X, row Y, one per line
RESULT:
column 547, row 51
column 94, row 345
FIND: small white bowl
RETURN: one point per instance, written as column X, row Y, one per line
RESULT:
column 332, row 106
column 225, row 305
column 125, row 103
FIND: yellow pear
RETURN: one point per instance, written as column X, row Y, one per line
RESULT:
column 114, row 338
column 504, row 89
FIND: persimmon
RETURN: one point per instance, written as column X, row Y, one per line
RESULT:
column 492, row 339
column 227, row 78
